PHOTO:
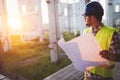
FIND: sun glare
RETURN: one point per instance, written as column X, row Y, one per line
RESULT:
column 14, row 22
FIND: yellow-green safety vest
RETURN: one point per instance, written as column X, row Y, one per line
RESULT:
column 103, row 36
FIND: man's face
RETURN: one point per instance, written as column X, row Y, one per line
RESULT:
column 88, row 20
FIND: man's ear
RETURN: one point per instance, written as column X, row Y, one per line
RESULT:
column 93, row 18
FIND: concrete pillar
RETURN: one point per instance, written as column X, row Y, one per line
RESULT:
column 110, row 12
column 40, row 22
column 8, row 43
column 53, row 30
column 68, row 18
column 81, row 18
column 74, row 18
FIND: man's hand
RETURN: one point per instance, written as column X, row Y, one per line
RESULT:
column 105, row 54
column 110, row 56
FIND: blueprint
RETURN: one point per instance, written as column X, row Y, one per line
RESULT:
column 83, row 51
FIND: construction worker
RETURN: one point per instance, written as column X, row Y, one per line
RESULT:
column 108, row 39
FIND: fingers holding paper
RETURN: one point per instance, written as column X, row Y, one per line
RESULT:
column 109, row 56
column 105, row 54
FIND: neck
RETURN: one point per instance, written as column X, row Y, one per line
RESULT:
column 96, row 25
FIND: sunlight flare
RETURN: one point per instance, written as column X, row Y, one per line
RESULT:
column 14, row 22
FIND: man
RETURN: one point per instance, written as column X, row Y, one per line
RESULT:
column 108, row 40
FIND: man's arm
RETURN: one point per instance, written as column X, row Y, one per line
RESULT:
column 110, row 56
column 113, row 53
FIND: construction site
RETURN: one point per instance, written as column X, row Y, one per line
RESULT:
column 36, row 26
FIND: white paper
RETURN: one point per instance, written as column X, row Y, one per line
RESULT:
column 83, row 51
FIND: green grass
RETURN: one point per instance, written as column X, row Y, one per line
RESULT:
column 31, row 60
column 70, row 35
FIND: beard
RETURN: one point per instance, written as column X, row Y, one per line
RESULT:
column 88, row 25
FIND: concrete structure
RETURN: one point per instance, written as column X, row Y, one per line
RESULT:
column 116, row 16
column 116, row 23
column 30, row 13
column 70, row 16
column 4, row 29
column 67, row 73
column 63, row 16
column 53, row 30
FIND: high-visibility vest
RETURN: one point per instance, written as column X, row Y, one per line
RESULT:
column 103, row 36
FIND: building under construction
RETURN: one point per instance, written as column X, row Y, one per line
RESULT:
column 63, row 16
